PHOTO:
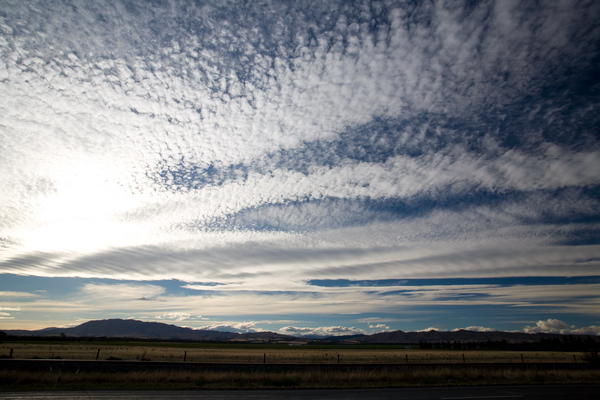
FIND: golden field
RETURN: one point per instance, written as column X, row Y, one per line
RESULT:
column 420, row 372
column 273, row 354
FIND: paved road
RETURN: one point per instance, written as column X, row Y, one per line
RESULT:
column 546, row 392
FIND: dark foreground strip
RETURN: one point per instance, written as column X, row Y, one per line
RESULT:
column 113, row 365
column 533, row 392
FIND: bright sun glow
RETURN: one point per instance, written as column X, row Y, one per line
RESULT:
column 85, row 211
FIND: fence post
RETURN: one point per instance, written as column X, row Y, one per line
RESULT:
column 338, row 358
column 11, row 353
column 98, row 354
column 464, row 361
column 264, row 358
column 406, row 358
column 522, row 360
column 184, row 356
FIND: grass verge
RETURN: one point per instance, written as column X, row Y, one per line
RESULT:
column 171, row 379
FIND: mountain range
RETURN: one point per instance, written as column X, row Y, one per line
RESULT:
column 130, row 328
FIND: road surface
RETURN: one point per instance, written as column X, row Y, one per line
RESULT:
column 545, row 392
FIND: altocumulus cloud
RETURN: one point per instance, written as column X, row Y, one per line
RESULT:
column 259, row 146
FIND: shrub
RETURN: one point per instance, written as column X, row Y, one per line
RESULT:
column 591, row 357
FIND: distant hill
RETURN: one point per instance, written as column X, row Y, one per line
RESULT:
column 461, row 336
column 464, row 339
column 265, row 337
column 130, row 328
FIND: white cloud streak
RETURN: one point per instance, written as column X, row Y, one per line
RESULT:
column 22, row 295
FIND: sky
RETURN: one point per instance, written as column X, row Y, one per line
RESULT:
column 304, row 167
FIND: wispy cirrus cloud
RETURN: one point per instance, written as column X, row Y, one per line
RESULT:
column 120, row 292
column 6, row 315
column 20, row 295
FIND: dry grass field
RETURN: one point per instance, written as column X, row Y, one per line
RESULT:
column 171, row 379
column 421, row 374
column 150, row 352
